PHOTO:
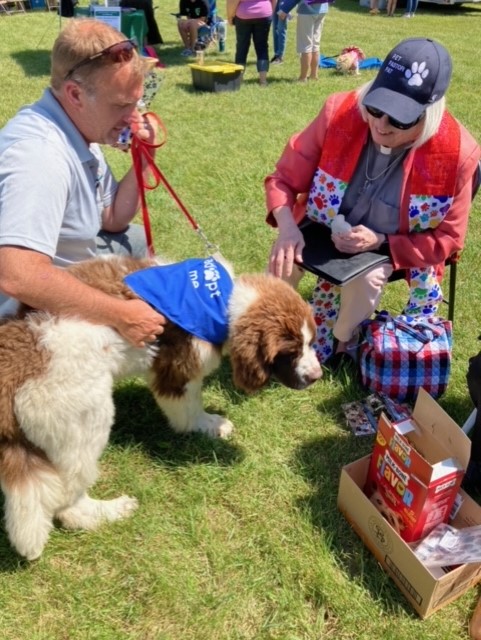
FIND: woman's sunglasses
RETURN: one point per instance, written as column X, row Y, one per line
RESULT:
column 376, row 113
column 119, row 52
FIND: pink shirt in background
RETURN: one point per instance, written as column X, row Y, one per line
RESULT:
column 249, row 9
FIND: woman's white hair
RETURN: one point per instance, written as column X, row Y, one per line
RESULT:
column 432, row 119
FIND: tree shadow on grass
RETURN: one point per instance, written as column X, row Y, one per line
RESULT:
column 34, row 62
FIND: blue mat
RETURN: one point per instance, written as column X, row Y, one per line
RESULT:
column 368, row 63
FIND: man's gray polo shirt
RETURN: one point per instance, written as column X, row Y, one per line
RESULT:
column 53, row 185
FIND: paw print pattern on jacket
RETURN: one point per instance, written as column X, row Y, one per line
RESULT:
column 325, row 197
column 416, row 74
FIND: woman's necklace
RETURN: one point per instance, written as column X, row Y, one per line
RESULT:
column 371, row 179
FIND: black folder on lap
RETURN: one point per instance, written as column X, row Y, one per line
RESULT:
column 321, row 257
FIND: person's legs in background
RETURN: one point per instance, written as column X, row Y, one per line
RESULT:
column 194, row 26
column 305, row 65
column 314, row 66
column 411, row 6
column 318, row 23
column 279, row 33
column 183, row 30
column 188, row 29
column 153, row 33
column 243, row 32
column 391, row 7
column 260, row 37
column 275, row 36
column 304, row 44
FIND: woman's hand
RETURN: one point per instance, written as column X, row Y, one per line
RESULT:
column 286, row 250
column 288, row 247
column 357, row 240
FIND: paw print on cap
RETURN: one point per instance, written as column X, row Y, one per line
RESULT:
column 416, row 74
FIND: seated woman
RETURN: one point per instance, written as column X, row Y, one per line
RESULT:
column 192, row 15
column 399, row 167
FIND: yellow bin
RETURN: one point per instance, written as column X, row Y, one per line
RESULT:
column 216, row 76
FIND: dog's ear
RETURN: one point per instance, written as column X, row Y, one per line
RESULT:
column 250, row 368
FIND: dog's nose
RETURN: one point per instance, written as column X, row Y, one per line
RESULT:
column 314, row 373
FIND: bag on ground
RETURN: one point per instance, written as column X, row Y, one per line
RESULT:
column 400, row 354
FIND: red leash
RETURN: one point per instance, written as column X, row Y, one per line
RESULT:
column 142, row 151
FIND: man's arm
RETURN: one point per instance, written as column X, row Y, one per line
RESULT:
column 125, row 205
column 31, row 277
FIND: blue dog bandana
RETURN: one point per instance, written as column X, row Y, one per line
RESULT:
column 194, row 294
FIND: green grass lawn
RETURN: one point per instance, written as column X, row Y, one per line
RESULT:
column 237, row 539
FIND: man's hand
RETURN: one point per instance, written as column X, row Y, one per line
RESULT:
column 146, row 127
column 139, row 324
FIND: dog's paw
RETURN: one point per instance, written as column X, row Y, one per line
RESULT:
column 32, row 548
column 28, row 531
column 119, row 508
column 89, row 514
column 215, row 426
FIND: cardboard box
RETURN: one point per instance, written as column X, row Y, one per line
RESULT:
column 426, row 590
column 217, row 76
column 416, row 469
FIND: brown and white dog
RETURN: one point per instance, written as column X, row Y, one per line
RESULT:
column 348, row 60
column 57, row 376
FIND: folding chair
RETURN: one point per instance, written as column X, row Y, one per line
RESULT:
column 12, row 6
column 311, row 238
column 52, row 5
column 214, row 32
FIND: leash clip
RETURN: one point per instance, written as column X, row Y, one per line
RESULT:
column 210, row 246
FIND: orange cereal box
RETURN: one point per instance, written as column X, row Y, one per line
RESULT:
column 413, row 479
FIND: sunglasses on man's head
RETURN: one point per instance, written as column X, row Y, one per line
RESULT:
column 376, row 113
column 119, row 52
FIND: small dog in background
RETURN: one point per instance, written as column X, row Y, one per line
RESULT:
column 348, row 60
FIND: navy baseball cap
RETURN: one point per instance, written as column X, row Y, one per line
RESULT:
column 415, row 74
